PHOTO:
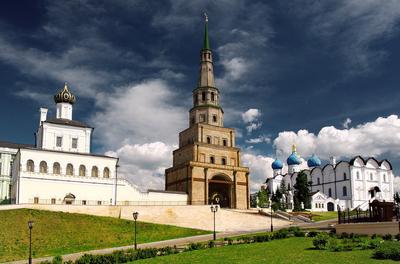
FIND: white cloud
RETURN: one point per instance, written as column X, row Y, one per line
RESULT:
column 253, row 126
column 260, row 169
column 235, row 67
column 346, row 123
column 251, row 115
column 138, row 114
column 144, row 164
column 376, row 138
column 260, row 139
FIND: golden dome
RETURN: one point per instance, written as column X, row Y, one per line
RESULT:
column 65, row 96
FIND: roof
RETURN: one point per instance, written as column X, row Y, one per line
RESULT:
column 69, row 152
column 67, row 122
column 5, row 144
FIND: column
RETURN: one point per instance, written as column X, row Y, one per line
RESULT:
column 234, row 189
column 205, row 186
column 247, row 191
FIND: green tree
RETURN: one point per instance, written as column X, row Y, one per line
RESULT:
column 262, row 196
column 301, row 191
column 397, row 198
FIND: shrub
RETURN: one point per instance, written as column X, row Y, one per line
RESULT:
column 334, row 245
column 68, row 262
column 57, row 260
column 299, row 233
column 294, row 229
column 388, row 250
column 211, row 244
column 320, row 241
column 312, row 234
column 344, row 235
column 374, row 236
column 283, row 233
column 146, row 253
column 230, row 241
column 195, row 246
column 398, row 237
column 387, row 237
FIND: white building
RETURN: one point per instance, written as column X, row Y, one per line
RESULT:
column 60, row 169
column 348, row 184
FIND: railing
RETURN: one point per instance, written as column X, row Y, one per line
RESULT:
column 375, row 213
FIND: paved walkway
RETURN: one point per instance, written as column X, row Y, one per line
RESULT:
column 177, row 241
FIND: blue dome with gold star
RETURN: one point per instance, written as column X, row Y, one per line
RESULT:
column 314, row 161
column 277, row 164
column 293, row 159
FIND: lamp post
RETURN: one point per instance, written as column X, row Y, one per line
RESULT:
column 30, row 225
column 214, row 209
column 270, row 205
column 135, row 216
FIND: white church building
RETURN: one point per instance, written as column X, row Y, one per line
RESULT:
column 60, row 168
column 348, row 184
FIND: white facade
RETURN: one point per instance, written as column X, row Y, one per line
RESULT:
column 61, row 170
column 6, row 159
column 348, row 184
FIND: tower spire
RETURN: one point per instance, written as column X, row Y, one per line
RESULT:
column 206, row 45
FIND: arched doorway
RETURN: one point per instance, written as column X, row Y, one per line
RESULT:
column 373, row 191
column 220, row 191
column 69, row 198
column 331, row 207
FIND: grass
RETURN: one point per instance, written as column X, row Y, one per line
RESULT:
column 56, row 233
column 321, row 216
column 291, row 250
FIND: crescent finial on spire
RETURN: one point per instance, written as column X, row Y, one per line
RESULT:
column 205, row 17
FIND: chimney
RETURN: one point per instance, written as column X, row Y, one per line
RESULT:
column 43, row 115
column 333, row 161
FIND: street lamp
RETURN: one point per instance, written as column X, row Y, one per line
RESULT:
column 214, row 209
column 135, row 216
column 30, row 225
column 270, row 205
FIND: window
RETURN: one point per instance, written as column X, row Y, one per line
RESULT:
column 344, row 176
column 214, row 118
column 59, row 141
column 70, row 169
column 95, row 171
column 371, row 177
column 56, row 168
column 223, row 161
column 30, row 166
column 330, row 192
column 203, row 96
column 193, row 120
column 74, row 143
column 98, row 202
column 224, row 142
column 344, row 191
column 384, row 177
column 212, row 160
column 202, row 117
column 358, row 175
column 43, row 167
column 106, row 172
column 83, row 202
column 316, row 205
column 36, row 200
column 53, row 201
column 212, row 96
column 318, row 181
column 82, row 170
column 208, row 140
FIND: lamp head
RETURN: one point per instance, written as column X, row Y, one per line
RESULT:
column 135, row 215
column 30, row 224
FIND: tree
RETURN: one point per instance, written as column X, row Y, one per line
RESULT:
column 397, row 198
column 283, row 189
column 262, row 196
column 301, row 192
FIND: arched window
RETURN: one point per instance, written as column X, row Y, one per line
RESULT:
column 384, row 177
column 371, row 177
column 208, row 140
column 95, row 171
column 70, row 169
column 344, row 176
column 212, row 160
column 82, row 170
column 203, row 96
column 43, row 167
column 56, row 168
column 223, row 161
column 318, row 181
column 106, row 172
column 212, row 96
column 214, row 118
column 344, row 191
column 330, row 192
column 30, row 166
column 358, row 175
column 224, row 142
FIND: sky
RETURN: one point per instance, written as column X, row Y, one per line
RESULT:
column 322, row 75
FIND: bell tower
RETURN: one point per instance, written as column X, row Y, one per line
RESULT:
column 207, row 163
column 206, row 98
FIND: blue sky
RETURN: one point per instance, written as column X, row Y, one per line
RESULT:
column 321, row 74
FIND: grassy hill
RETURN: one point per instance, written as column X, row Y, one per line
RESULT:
column 56, row 233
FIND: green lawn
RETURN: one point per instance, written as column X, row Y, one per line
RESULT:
column 320, row 216
column 291, row 250
column 56, row 233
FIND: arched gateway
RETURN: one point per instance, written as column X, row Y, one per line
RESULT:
column 220, row 191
